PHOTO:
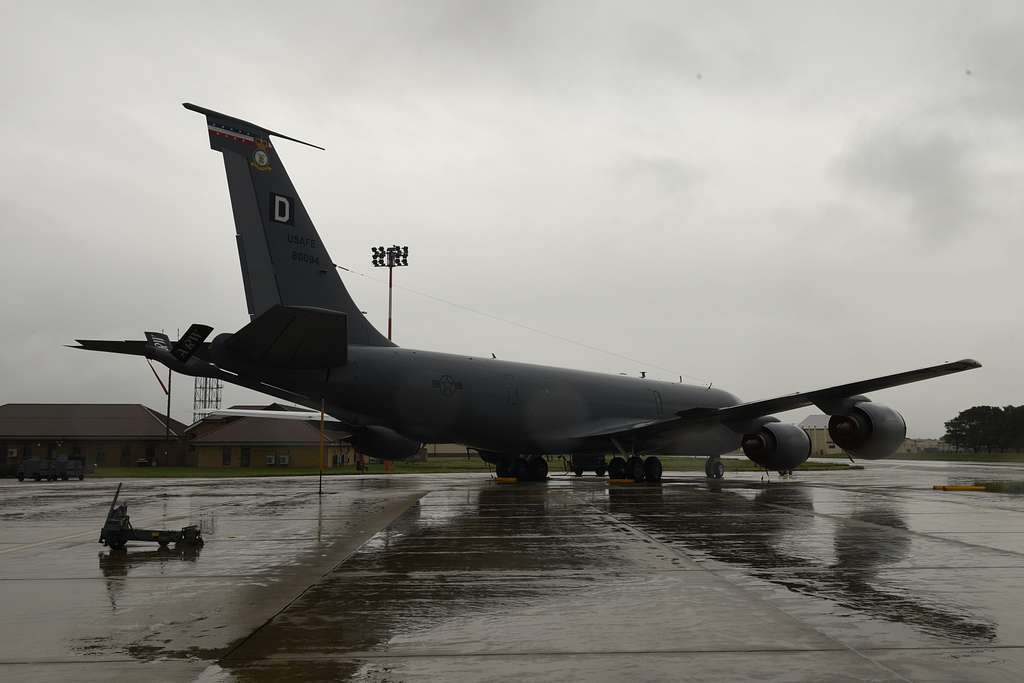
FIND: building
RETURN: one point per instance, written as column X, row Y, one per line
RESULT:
column 816, row 427
column 102, row 434
column 234, row 441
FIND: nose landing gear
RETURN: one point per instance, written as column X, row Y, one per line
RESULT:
column 714, row 468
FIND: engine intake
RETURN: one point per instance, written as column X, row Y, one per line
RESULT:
column 777, row 446
column 869, row 431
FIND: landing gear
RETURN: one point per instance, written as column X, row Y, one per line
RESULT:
column 652, row 468
column 505, row 468
column 635, row 468
column 617, row 468
column 600, row 471
column 714, row 468
column 537, row 469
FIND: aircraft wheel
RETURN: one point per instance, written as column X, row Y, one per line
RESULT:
column 714, row 468
column 505, row 468
column 538, row 469
column 522, row 469
column 635, row 469
column 21, row 476
column 578, row 471
column 600, row 471
column 652, row 468
column 617, row 468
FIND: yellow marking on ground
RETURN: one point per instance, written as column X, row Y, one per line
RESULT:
column 952, row 487
column 619, row 482
column 506, row 480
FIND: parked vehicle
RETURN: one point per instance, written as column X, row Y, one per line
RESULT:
column 63, row 469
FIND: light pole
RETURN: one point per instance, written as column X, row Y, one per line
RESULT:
column 390, row 257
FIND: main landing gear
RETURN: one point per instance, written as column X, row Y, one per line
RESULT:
column 636, row 468
column 523, row 469
column 714, row 468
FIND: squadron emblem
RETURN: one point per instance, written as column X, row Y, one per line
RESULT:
column 260, row 159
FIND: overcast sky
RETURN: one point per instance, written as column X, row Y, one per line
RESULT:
column 770, row 196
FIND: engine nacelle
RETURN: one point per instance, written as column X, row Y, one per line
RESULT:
column 383, row 443
column 868, row 431
column 777, row 446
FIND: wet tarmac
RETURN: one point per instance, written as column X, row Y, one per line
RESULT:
column 861, row 575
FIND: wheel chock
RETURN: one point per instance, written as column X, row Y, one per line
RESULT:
column 506, row 480
column 951, row 487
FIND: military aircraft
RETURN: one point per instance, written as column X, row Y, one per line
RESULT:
column 309, row 343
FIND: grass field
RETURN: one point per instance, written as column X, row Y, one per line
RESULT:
column 435, row 465
column 962, row 456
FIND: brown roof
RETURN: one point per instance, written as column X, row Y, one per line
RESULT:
column 258, row 430
column 83, row 421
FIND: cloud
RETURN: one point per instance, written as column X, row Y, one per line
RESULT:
column 928, row 175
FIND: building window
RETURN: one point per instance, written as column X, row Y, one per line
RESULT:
column 246, row 457
column 225, row 456
column 283, row 460
column 270, row 461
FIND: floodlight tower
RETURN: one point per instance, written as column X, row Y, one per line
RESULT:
column 391, row 258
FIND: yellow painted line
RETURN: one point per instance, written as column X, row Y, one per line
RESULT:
column 951, row 487
column 506, row 480
column 619, row 482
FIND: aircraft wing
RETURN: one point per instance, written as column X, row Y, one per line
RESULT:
column 747, row 411
column 304, row 415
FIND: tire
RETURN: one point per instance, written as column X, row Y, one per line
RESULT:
column 600, row 471
column 505, row 468
column 37, row 478
column 81, row 477
column 652, row 468
column 617, row 468
column 578, row 471
column 522, row 469
column 21, row 476
column 714, row 469
column 538, row 469
column 635, row 469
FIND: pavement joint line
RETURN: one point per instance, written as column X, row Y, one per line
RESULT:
column 724, row 577
column 890, row 529
column 411, row 500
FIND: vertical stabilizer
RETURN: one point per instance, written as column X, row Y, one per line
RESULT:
column 283, row 259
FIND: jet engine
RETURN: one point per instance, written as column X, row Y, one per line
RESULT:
column 868, row 430
column 777, row 446
column 383, row 443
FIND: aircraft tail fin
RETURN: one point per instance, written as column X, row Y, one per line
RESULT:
column 284, row 261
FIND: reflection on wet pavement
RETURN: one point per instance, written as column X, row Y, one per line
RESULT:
column 859, row 575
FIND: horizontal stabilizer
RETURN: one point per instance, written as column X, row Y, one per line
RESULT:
column 130, row 347
column 294, row 337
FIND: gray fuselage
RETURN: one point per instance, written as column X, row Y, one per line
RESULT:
column 509, row 407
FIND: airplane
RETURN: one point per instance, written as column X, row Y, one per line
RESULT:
column 309, row 343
